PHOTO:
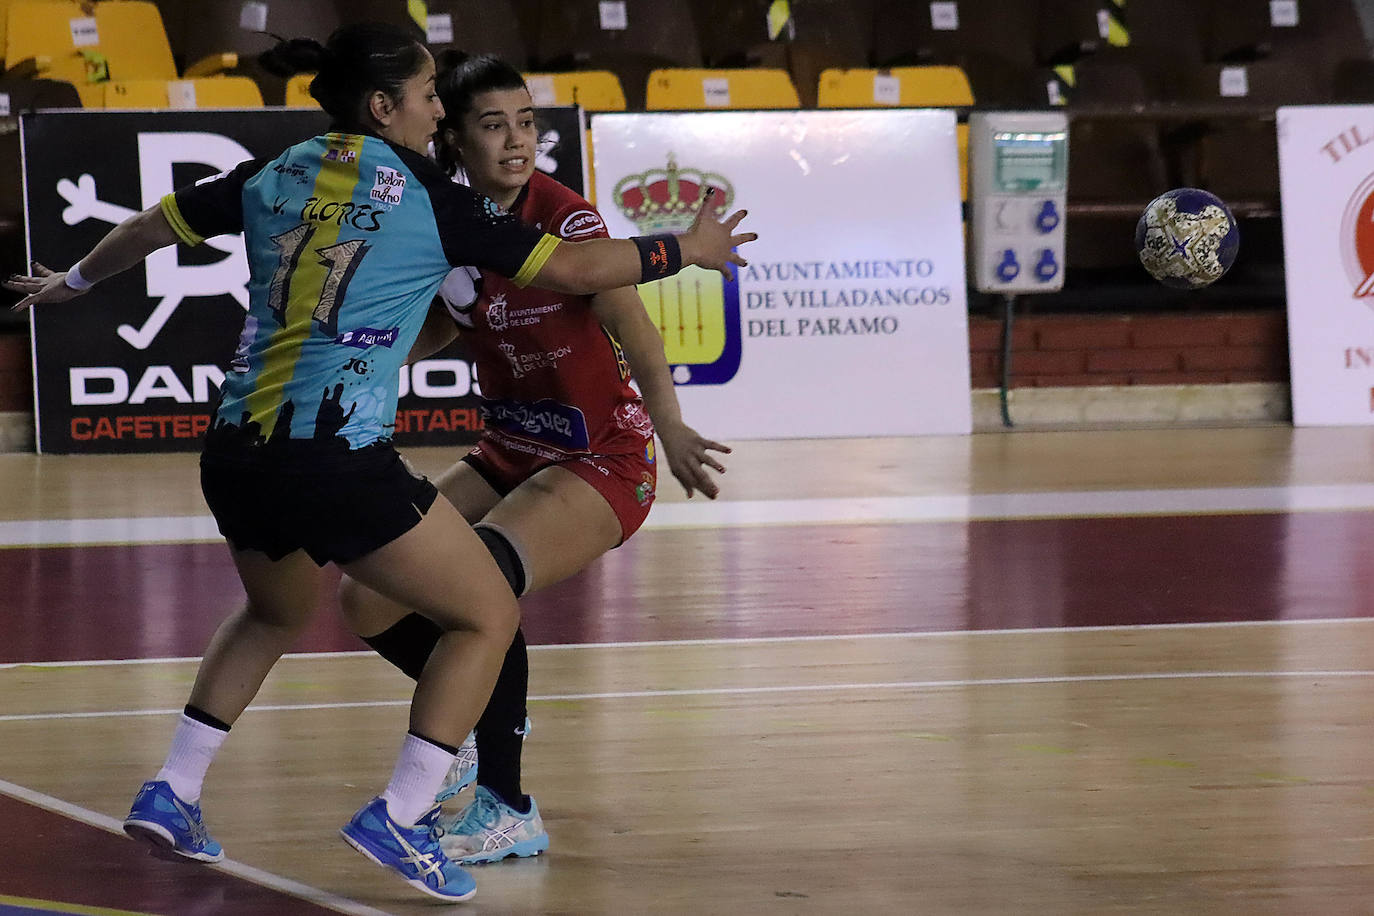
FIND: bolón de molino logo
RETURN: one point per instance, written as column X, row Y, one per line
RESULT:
column 697, row 311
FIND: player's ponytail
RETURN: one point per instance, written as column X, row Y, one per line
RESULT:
column 358, row 60
column 462, row 77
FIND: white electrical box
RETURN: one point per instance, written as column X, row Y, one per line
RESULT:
column 1018, row 177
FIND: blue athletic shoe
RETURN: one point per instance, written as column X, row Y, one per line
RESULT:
column 411, row 852
column 172, row 826
column 463, row 772
column 489, row 830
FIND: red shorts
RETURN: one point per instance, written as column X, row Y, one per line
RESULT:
column 626, row 482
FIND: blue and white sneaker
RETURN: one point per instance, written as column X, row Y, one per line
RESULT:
column 463, row 773
column 489, row 830
column 172, row 826
column 411, row 852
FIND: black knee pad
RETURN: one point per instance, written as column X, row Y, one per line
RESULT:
column 507, row 557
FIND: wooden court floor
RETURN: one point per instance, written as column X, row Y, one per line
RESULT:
column 1056, row 672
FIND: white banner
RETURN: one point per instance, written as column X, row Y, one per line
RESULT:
column 851, row 319
column 1326, row 170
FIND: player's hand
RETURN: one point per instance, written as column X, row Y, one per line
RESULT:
column 711, row 244
column 689, row 455
column 42, row 285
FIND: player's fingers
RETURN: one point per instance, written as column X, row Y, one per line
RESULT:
column 735, row 218
column 729, row 274
column 705, row 206
column 716, row 446
column 712, row 463
column 40, row 270
column 743, row 238
column 22, row 304
column 736, row 259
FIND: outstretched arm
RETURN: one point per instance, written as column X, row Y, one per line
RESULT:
column 622, row 313
column 597, row 265
column 125, row 245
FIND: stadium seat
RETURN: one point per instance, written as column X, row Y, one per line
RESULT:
column 1116, row 164
column 1237, row 158
column 594, row 90
column 574, row 31
column 127, row 41
column 1165, row 39
column 741, row 33
column 297, row 92
column 4, row 21
column 630, row 38
column 1353, row 82
column 698, row 89
column 207, row 92
column 222, row 37
column 915, row 87
column 992, row 41
column 475, row 26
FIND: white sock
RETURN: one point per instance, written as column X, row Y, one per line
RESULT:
column 420, row 771
column 193, row 747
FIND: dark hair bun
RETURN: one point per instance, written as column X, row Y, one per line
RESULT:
column 295, row 55
column 450, row 59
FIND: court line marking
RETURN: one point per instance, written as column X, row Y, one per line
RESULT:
column 738, row 691
column 821, row 511
column 746, row 640
column 237, row 869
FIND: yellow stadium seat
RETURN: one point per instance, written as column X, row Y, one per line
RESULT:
column 210, row 92
column 298, row 92
column 86, row 45
column 914, row 87
column 4, row 20
column 695, row 89
column 594, row 90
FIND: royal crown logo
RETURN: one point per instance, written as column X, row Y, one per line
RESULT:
column 667, row 199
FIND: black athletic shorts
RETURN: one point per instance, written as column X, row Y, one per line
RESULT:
column 336, row 510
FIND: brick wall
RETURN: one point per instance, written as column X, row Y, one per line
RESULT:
column 1048, row 351
column 1074, row 350
column 16, row 379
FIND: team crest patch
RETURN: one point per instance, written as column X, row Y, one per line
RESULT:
column 644, row 492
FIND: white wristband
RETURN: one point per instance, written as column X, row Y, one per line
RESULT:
column 75, row 280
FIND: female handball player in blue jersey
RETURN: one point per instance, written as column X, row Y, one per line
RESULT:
column 566, row 468
column 349, row 236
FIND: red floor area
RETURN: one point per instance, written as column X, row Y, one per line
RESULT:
column 165, row 600
column 105, row 870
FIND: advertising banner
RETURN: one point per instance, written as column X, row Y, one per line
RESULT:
column 1326, row 171
column 851, row 318
column 135, row 365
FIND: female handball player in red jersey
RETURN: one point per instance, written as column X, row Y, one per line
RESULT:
column 566, row 469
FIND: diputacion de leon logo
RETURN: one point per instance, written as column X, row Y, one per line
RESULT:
column 696, row 311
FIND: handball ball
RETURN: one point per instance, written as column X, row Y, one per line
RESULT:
column 1187, row 238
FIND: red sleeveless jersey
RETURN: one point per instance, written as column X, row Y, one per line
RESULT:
column 553, row 381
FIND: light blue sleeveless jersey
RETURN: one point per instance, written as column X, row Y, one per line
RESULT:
column 348, row 238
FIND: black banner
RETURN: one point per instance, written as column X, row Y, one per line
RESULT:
column 135, row 365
